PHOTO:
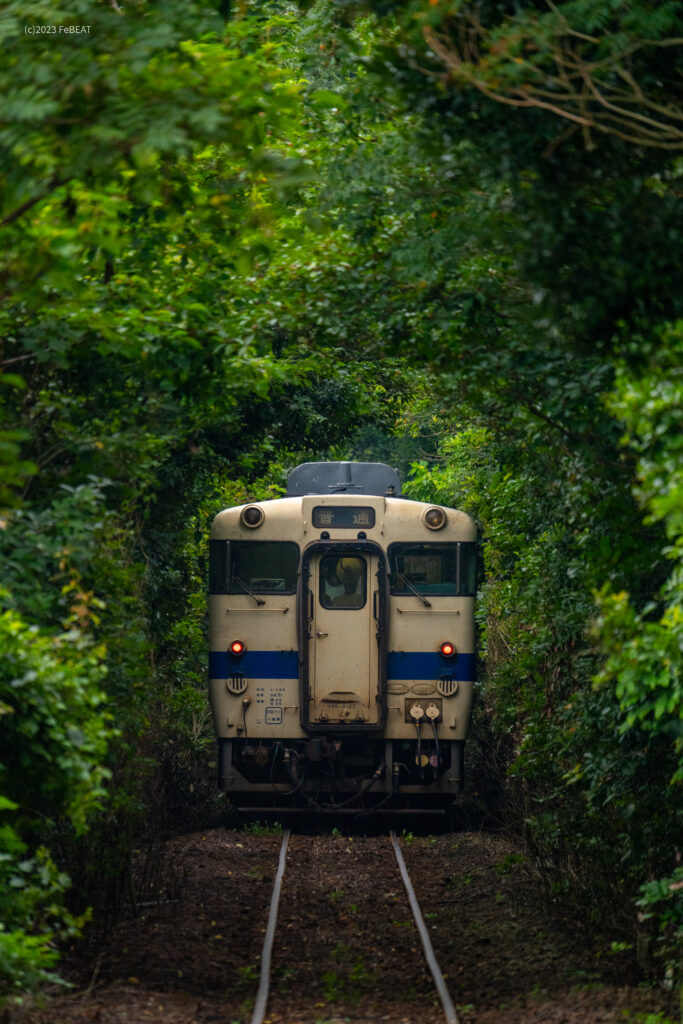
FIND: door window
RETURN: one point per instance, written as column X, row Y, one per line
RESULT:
column 342, row 581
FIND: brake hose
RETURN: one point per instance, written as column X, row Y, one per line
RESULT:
column 274, row 784
column 245, row 704
column 365, row 787
column 436, row 740
column 384, row 800
column 419, row 747
column 296, row 781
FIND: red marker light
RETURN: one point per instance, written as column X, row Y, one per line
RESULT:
column 237, row 647
column 447, row 649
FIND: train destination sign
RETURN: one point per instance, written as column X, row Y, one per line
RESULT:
column 344, row 517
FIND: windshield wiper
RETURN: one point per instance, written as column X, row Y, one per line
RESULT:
column 259, row 600
column 417, row 593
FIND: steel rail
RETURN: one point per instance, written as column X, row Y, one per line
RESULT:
column 446, row 1002
column 264, row 980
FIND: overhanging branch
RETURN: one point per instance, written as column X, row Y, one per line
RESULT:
column 601, row 95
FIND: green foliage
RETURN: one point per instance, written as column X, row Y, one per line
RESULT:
column 602, row 68
column 114, row 197
column 590, row 783
column 661, row 900
column 645, row 646
column 95, row 109
column 33, row 916
column 502, row 256
column 13, row 469
column 261, row 828
column 55, row 729
column 55, row 733
column 230, row 246
column 509, row 863
column 54, row 737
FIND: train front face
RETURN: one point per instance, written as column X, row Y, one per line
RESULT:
column 342, row 650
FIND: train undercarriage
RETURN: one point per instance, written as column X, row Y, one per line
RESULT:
column 342, row 773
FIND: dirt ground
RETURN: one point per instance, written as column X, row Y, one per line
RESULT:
column 347, row 950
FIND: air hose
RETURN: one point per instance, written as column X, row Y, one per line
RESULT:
column 385, row 799
column 365, row 787
column 436, row 740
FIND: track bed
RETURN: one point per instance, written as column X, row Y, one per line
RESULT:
column 346, row 947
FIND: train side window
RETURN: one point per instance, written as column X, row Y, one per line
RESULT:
column 266, row 567
column 218, row 566
column 433, row 569
column 342, row 581
column 468, row 569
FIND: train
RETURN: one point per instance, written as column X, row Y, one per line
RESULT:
column 342, row 644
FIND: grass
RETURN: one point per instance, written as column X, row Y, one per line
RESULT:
column 262, row 828
column 339, row 985
column 247, row 976
column 509, row 863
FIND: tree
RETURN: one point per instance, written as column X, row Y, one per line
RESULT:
column 601, row 68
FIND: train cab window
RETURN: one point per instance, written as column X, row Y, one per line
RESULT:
column 264, row 567
column 433, row 569
column 342, row 581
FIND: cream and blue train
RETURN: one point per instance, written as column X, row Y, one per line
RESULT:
column 342, row 643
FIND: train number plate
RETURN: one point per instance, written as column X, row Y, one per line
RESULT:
column 273, row 716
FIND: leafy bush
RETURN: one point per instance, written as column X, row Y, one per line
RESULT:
column 32, row 911
column 55, row 727
column 55, row 732
column 586, row 767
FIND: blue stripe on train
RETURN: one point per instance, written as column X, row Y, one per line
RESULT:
column 255, row 664
column 285, row 665
column 429, row 665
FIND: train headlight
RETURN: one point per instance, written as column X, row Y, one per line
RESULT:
column 252, row 516
column 237, row 647
column 447, row 649
column 435, row 518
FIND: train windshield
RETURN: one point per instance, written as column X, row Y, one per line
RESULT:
column 265, row 567
column 433, row 569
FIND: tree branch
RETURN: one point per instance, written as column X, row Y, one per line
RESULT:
column 16, row 214
column 576, row 91
column 17, row 359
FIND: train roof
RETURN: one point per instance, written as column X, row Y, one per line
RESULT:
column 343, row 478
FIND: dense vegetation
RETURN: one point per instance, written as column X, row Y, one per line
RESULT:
column 235, row 240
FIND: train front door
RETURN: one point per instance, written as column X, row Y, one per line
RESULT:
column 343, row 657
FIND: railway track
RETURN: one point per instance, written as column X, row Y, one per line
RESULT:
column 263, row 992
